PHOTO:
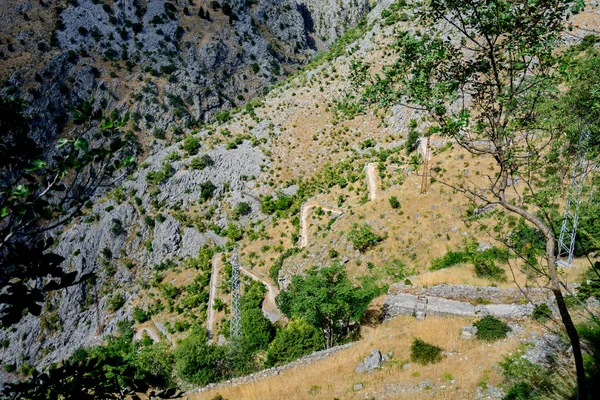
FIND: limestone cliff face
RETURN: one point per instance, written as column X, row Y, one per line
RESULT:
column 170, row 68
column 329, row 19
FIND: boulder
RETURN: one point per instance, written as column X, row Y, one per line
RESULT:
column 371, row 363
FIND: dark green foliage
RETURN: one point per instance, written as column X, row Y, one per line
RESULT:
column 115, row 302
column 102, row 372
column 242, row 209
column 362, row 237
column 223, row 116
column 485, row 268
column 198, row 363
column 527, row 380
column 490, row 329
column 297, row 339
column 449, row 259
column 140, row 315
column 590, row 285
column 527, row 242
column 424, row 353
column 269, row 205
column 191, row 144
column 206, row 190
column 541, row 312
column 201, row 162
column 154, row 364
column 394, row 202
column 117, row 227
column 257, row 330
column 326, row 299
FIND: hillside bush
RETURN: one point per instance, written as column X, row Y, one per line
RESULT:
column 490, row 329
column 394, row 202
column 449, row 259
column 362, row 237
column 297, row 339
column 201, row 162
column 541, row 312
column 424, row 353
column 191, row 144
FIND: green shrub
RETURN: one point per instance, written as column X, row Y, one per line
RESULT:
column 488, row 269
column 363, row 237
column 242, row 209
column 424, row 353
column 201, row 162
column 191, row 144
column 590, row 285
column 449, row 259
column 297, row 339
column 490, row 328
column 541, row 312
column 394, row 202
column 140, row 315
column 116, row 302
column 206, row 190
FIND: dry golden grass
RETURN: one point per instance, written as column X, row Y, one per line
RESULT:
column 470, row 363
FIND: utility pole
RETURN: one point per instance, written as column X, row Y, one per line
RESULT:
column 236, row 313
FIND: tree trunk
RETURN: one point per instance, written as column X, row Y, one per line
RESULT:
column 567, row 321
column 555, row 287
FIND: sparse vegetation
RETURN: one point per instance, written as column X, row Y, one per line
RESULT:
column 424, row 353
column 490, row 329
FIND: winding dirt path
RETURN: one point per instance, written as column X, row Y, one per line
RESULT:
column 372, row 180
column 304, row 212
column 212, row 293
column 150, row 332
column 269, row 307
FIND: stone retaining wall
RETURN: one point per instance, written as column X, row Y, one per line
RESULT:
column 476, row 293
column 266, row 373
column 405, row 304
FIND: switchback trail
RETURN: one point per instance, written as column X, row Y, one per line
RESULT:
column 372, row 180
column 304, row 211
column 269, row 307
column 214, row 279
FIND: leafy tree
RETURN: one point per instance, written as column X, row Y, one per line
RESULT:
column 37, row 195
column 480, row 74
column 198, row 362
column 257, row 330
column 297, row 339
column 326, row 299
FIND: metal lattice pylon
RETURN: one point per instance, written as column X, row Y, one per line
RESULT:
column 236, row 317
column 568, row 230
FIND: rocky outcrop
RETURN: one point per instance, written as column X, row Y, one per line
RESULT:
column 119, row 259
column 319, row 16
column 371, row 363
column 398, row 303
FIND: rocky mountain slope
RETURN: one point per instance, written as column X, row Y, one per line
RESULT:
column 294, row 144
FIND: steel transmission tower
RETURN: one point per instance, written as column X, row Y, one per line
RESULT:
column 568, row 230
column 236, row 316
